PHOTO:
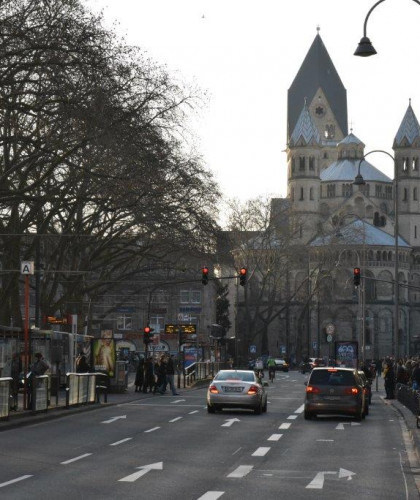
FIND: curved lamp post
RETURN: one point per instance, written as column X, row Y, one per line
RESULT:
column 365, row 47
column 359, row 181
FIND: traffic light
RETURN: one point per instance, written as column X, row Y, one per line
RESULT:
column 205, row 275
column 242, row 276
column 356, row 276
column 147, row 334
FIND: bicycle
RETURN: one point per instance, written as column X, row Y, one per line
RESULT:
column 272, row 374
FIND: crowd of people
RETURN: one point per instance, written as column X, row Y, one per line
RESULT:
column 154, row 375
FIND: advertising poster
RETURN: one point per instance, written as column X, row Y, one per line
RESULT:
column 104, row 353
column 190, row 356
column 346, row 353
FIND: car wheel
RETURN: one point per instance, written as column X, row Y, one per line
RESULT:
column 211, row 409
column 264, row 408
column 258, row 409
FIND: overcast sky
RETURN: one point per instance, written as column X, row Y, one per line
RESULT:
column 245, row 54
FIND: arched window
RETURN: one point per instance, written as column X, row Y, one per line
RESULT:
column 311, row 193
column 301, row 163
column 405, row 195
column 415, row 232
column 311, row 163
column 301, row 194
column 406, row 162
column 415, row 163
column 415, row 194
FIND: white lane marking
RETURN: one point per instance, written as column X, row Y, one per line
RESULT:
column 285, row 426
column 113, row 419
column 178, row 401
column 261, row 451
column 300, row 409
column 292, row 417
column 192, row 412
column 340, row 426
column 175, row 419
column 119, row 442
column 317, row 482
column 274, row 437
column 152, row 429
column 230, row 422
column 144, row 469
column 212, row 495
column 325, row 440
column 21, row 478
column 76, row 458
column 241, row 471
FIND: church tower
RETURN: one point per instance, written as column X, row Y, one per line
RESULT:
column 407, row 158
column 316, row 123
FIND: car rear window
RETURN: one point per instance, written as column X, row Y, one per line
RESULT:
column 244, row 376
column 325, row 377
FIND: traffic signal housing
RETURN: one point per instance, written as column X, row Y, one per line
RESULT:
column 205, row 275
column 356, row 276
column 242, row 276
column 147, row 335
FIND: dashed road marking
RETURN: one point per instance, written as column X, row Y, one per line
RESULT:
column 292, row 417
column 212, row 495
column 152, row 429
column 241, row 471
column 274, row 437
column 261, row 451
column 76, row 458
column 300, row 409
column 285, row 426
column 21, row 478
column 175, row 419
column 120, row 442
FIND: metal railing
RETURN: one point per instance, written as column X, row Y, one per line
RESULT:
column 201, row 370
column 82, row 388
column 409, row 397
column 39, row 392
column 5, row 397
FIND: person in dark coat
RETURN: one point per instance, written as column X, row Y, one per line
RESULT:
column 160, row 372
column 15, row 373
column 389, row 380
column 139, row 376
column 149, row 376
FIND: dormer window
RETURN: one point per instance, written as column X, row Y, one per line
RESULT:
column 329, row 131
column 301, row 163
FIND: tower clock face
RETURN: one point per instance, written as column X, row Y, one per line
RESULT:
column 320, row 110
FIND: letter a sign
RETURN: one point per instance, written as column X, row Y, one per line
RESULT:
column 27, row 267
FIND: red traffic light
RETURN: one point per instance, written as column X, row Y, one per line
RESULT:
column 242, row 276
column 205, row 275
column 356, row 276
column 147, row 329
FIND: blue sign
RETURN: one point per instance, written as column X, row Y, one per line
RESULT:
column 252, row 349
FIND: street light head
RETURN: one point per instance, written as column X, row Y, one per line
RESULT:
column 359, row 181
column 365, row 48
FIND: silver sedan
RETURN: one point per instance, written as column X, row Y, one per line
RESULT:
column 236, row 389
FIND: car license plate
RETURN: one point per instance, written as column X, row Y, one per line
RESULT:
column 232, row 389
column 332, row 398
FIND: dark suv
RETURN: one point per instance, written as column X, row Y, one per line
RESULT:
column 335, row 390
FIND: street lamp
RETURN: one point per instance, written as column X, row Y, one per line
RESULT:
column 358, row 181
column 365, row 47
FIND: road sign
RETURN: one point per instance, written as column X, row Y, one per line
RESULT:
column 252, row 349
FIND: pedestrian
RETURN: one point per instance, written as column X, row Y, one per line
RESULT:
column 160, row 373
column 415, row 376
column 149, row 376
column 402, row 374
column 39, row 368
column 139, row 375
column 82, row 366
column 389, row 376
column 15, row 373
column 170, row 374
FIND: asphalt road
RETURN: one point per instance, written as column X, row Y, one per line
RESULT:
column 170, row 447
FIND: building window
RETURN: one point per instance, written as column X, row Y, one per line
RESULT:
column 406, row 162
column 190, row 297
column 301, row 194
column 292, row 194
column 329, row 131
column 347, row 190
column 415, row 194
column 378, row 191
column 415, row 232
column 301, row 163
column 311, row 163
column 405, row 196
column 157, row 323
column 415, row 163
column 331, row 191
column 293, row 164
column 311, row 193
column 124, row 322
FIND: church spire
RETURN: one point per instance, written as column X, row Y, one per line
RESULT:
column 409, row 129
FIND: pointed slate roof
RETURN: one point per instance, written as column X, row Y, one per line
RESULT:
column 305, row 128
column 317, row 71
column 351, row 139
column 409, row 128
column 346, row 169
column 359, row 232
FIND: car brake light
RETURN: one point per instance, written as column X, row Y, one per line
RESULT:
column 332, row 370
column 253, row 389
column 312, row 389
column 213, row 389
column 352, row 390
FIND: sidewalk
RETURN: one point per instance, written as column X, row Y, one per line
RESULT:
column 57, row 407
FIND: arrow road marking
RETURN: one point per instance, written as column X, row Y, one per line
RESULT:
column 318, row 481
column 340, row 426
column 144, row 469
column 21, row 478
column 113, row 419
column 230, row 422
column 241, row 471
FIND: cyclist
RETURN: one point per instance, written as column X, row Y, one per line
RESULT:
column 271, row 369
